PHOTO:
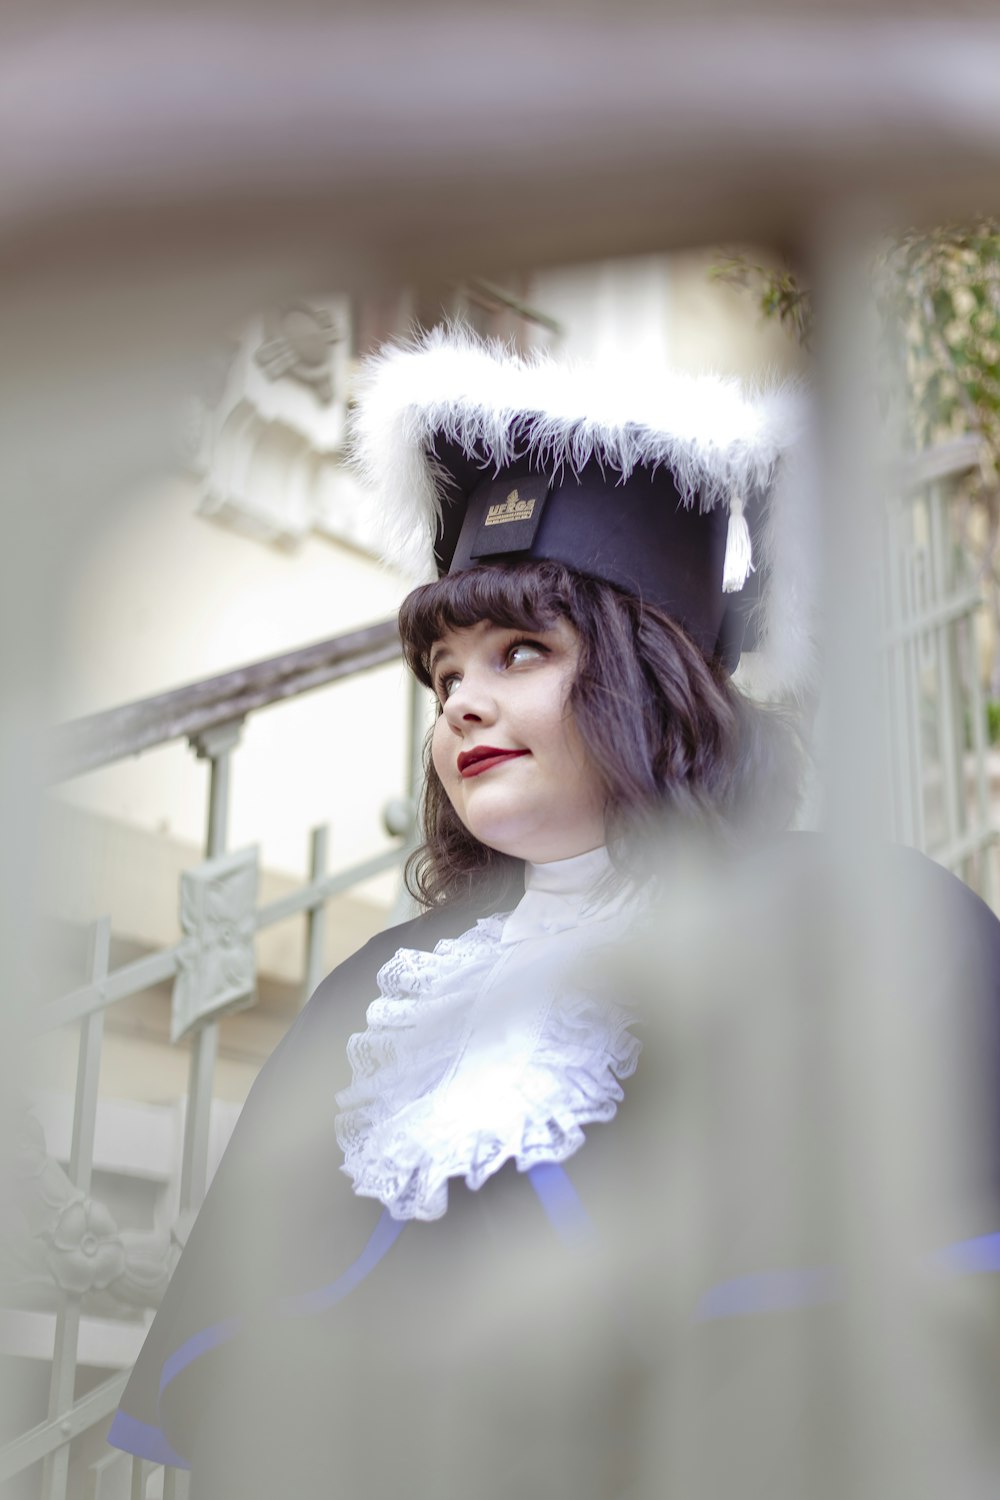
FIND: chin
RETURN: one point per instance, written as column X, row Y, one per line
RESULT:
column 531, row 844
column 517, row 842
column 532, row 834
column 502, row 843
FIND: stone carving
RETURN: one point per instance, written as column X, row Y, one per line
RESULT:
column 298, row 344
column 266, row 432
column 84, row 1249
column 59, row 1240
column 216, row 970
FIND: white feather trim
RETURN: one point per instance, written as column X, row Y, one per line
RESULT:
column 718, row 442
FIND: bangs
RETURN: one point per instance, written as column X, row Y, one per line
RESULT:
column 521, row 596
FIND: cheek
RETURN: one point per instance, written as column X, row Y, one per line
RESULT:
column 561, row 728
column 580, row 776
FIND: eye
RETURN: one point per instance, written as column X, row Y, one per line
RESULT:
column 519, row 651
column 446, row 685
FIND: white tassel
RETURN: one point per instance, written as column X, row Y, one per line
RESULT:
column 739, row 554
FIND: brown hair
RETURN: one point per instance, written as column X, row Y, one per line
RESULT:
column 670, row 736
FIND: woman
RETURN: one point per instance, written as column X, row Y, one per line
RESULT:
column 591, row 544
column 593, row 547
column 575, row 724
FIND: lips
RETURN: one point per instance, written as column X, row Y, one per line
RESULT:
column 484, row 758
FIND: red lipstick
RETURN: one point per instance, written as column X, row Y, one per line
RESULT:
column 484, row 758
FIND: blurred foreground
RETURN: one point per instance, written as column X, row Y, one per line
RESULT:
column 770, row 1275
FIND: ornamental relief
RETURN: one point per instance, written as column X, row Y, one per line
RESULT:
column 216, row 964
column 266, row 434
column 298, row 345
column 58, row 1240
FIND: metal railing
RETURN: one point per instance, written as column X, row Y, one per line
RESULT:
column 938, row 750
column 210, row 714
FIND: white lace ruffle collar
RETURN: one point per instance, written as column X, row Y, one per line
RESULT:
column 487, row 1050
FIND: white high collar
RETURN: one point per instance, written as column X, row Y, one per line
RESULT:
column 561, row 894
column 564, row 877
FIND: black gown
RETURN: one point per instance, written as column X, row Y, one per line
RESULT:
column 299, row 1313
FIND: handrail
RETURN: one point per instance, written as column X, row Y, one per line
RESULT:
column 101, row 739
column 943, row 461
column 54, row 1432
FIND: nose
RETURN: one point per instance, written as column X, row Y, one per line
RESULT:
column 471, row 702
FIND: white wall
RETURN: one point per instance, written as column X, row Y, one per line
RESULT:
column 660, row 312
column 716, row 328
column 610, row 310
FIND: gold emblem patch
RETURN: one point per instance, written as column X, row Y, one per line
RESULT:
column 512, row 509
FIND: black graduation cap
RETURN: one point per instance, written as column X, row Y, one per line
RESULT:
column 635, row 532
column 666, row 489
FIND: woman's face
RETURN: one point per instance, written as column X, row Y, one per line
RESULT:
column 536, row 796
